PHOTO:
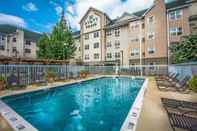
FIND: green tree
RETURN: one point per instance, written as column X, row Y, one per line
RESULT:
column 59, row 45
column 186, row 50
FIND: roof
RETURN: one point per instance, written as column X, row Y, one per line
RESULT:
column 76, row 34
column 9, row 29
column 94, row 9
column 176, row 3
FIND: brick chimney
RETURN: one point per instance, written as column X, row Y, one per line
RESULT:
column 158, row 1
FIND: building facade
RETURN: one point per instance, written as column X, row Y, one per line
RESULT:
column 17, row 43
column 143, row 37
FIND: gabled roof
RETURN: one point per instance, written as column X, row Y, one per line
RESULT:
column 93, row 9
column 9, row 29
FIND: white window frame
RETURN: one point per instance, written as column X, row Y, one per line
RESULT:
column 153, row 20
column 152, row 33
column 151, row 49
column 176, row 14
column 135, row 51
column 174, row 31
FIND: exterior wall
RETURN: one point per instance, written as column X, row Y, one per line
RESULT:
column 100, row 21
column 122, row 50
column 15, row 46
column 182, row 22
column 193, row 18
column 136, row 34
column 152, row 32
column 159, row 28
column 78, row 48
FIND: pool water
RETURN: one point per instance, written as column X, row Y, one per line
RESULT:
column 94, row 105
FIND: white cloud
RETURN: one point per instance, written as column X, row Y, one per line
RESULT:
column 30, row 7
column 113, row 8
column 12, row 20
column 58, row 10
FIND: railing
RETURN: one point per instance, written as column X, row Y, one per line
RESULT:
column 30, row 74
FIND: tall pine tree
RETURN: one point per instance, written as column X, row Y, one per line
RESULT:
column 59, row 45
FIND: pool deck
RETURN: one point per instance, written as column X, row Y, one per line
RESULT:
column 153, row 116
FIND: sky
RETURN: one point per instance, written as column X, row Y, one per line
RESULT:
column 41, row 15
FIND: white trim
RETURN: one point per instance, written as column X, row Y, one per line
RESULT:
column 15, row 120
column 130, row 122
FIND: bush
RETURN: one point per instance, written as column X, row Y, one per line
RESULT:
column 193, row 84
column 50, row 75
column 84, row 71
column 2, row 78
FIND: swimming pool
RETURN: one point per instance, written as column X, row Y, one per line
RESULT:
column 100, row 104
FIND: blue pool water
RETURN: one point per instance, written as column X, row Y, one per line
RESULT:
column 95, row 105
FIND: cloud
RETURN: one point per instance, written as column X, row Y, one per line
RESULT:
column 12, row 20
column 58, row 10
column 113, row 8
column 30, row 7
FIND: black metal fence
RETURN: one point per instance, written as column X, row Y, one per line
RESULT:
column 30, row 74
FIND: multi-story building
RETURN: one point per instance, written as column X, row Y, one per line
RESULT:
column 19, row 43
column 143, row 37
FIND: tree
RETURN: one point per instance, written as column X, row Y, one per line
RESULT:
column 186, row 50
column 59, row 45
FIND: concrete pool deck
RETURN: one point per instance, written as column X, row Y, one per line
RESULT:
column 153, row 116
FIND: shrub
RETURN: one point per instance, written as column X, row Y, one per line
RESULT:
column 84, row 72
column 193, row 84
column 2, row 78
column 50, row 75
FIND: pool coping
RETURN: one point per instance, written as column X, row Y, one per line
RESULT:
column 131, row 120
column 15, row 120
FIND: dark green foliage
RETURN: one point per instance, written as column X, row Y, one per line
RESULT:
column 193, row 84
column 59, row 45
column 186, row 50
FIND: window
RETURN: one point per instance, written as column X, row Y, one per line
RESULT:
column 134, row 26
column 174, row 15
column 151, row 50
column 117, row 55
column 86, row 36
column 151, row 36
column 109, row 44
column 150, row 19
column 96, row 56
column 175, row 31
column 27, row 50
column 86, row 47
column 117, row 32
column 135, row 52
column 28, row 42
column 14, row 49
column 96, row 34
column 2, row 47
column 109, row 33
column 96, row 45
column 109, row 55
column 135, row 39
column 117, row 44
column 143, row 39
column 87, row 57
column 14, row 39
column 143, row 25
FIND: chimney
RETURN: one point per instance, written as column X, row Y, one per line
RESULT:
column 158, row 1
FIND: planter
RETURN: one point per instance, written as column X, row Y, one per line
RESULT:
column 50, row 79
column 83, row 75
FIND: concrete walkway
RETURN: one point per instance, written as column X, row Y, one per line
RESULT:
column 153, row 116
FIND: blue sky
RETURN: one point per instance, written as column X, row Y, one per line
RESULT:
column 41, row 15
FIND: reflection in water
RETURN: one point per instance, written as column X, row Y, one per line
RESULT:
column 100, row 104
